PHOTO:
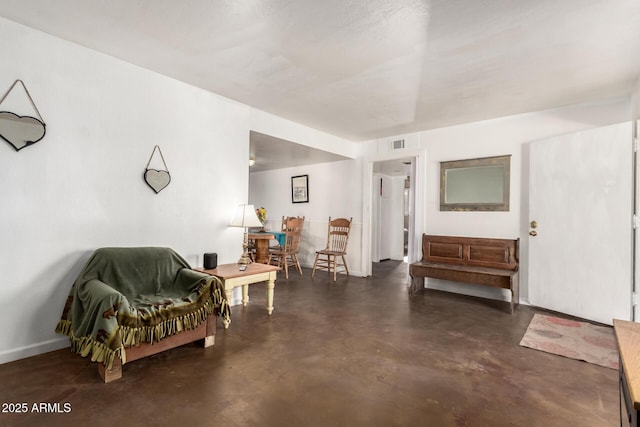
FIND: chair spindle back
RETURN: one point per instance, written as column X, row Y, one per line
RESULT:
column 338, row 234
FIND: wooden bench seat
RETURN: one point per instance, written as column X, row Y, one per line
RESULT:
column 480, row 261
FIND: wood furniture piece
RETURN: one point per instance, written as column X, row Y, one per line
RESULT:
column 232, row 277
column 337, row 239
column 129, row 303
column 205, row 333
column 286, row 255
column 628, row 338
column 481, row 261
column 261, row 242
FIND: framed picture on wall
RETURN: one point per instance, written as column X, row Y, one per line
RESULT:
column 300, row 189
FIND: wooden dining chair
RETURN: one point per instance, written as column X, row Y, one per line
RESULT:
column 336, row 249
column 287, row 256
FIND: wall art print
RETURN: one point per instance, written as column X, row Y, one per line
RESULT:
column 300, row 189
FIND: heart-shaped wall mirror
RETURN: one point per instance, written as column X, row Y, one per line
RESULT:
column 21, row 130
column 157, row 179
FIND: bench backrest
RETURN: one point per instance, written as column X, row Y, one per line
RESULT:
column 472, row 251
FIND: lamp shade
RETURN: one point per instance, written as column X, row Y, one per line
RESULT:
column 245, row 217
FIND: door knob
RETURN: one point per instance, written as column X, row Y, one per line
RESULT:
column 533, row 233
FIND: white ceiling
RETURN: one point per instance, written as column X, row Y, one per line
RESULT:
column 370, row 68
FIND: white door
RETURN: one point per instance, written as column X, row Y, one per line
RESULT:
column 636, row 160
column 580, row 196
column 376, row 181
column 386, row 206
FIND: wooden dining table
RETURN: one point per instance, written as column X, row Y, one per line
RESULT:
column 262, row 246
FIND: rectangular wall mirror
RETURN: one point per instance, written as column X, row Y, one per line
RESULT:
column 475, row 184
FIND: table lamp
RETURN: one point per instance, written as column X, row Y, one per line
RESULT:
column 245, row 217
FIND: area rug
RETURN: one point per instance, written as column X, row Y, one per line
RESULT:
column 573, row 339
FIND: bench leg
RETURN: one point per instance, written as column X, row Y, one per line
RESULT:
column 210, row 337
column 112, row 374
column 515, row 294
column 417, row 284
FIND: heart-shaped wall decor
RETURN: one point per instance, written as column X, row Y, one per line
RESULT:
column 156, row 179
column 20, row 131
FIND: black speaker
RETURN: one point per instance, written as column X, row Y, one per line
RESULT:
column 210, row 260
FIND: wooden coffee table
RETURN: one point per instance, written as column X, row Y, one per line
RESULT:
column 232, row 277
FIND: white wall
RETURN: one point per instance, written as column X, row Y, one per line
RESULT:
column 81, row 187
column 507, row 135
column 334, row 191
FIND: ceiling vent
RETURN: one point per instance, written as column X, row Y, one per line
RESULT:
column 397, row 144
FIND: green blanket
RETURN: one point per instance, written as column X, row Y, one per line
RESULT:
column 127, row 296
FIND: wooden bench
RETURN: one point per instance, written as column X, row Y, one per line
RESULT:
column 480, row 261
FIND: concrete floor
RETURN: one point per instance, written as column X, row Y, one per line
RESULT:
column 358, row 352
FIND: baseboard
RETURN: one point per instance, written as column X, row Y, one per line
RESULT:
column 340, row 271
column 13, row 354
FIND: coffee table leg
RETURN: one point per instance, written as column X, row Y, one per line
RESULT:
column 271, row 284
column 229, row 293
column 245, row 294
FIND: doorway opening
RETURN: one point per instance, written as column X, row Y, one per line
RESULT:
column 392, row 209
column 407, row 217
column 416, row 202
